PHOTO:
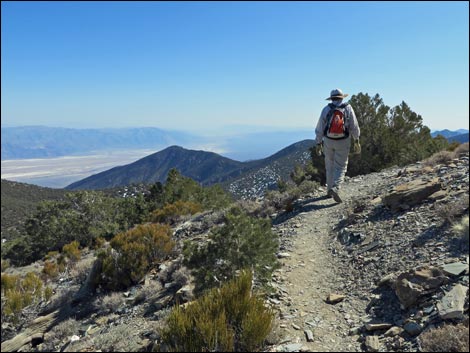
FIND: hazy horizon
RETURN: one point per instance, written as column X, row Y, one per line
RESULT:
column 228, row 131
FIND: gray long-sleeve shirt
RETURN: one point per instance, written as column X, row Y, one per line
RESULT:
column 354, row 130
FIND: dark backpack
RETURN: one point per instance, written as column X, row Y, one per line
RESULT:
column 337, row 122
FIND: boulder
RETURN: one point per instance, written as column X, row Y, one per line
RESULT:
column 409, row 194
column 452, row 305
column 409, row 286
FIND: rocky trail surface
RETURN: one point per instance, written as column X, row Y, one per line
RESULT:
column 337, row 260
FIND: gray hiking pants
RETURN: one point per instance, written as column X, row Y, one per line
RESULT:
column 336, row 161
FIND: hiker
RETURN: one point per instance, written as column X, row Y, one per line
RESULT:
column 334, row 129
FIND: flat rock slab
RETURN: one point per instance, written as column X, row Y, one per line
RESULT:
column 452, row 305
column 410, row 194
column 455, row 269
column 376, row 327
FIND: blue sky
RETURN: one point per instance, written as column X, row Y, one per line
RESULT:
column 201, row 66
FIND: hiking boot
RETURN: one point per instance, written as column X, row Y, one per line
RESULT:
column 329, row 194
column 336, row 196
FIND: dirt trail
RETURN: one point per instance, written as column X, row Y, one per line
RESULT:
column 311, row 273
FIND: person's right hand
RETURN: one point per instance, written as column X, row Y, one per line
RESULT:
column 319, row 149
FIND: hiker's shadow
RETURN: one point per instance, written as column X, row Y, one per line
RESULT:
column 306, row 205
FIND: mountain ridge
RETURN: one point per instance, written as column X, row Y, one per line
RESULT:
column 449, row 133
column 205, row 167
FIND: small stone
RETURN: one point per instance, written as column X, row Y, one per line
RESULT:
column 295, row 347
column 388, row 279
column 354, row 331
column 309, row 335
column 74, row 338
column 334, row 298
column 283, row 255
column 413, row 328
column 297, row 327
column 393, row 331
column 372, row 344
column 376, row 327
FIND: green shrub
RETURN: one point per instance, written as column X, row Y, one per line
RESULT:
column 228, row 319
column 281, row 185
column 18, row 293
column 50, row 269
column 48, row 292
column 180, row 188
column 172, row 212
column 282, row 201
column 32, row 283
column 132, row 253
column 9, row 282
column 72, row 251
column 51, row 255
column 5, row 264
column 82, row 216
column 98, row 242
column 298, row 175
column 242, row 242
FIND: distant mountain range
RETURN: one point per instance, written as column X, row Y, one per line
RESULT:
column 205, row 167
column 460, row 135
column 242, row 144
column 41, row 142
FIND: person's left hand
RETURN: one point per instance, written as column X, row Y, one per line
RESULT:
column 356, row 147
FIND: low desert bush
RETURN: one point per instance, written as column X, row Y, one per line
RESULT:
column 50, row 269
column 173, row 212
column 132, row 253
column 227, row 319
column 64, row 330
column 461, row 230
column 282, row 201
column 462, row 148
column 18, row 293
column 111, row 302
column 441, row 157
column 72, row 251
column 448, row 338
column 5, row 264
column 453, row 210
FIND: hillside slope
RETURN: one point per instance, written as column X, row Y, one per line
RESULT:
column 19, row 201
column 205, row 167
column 373, row 273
